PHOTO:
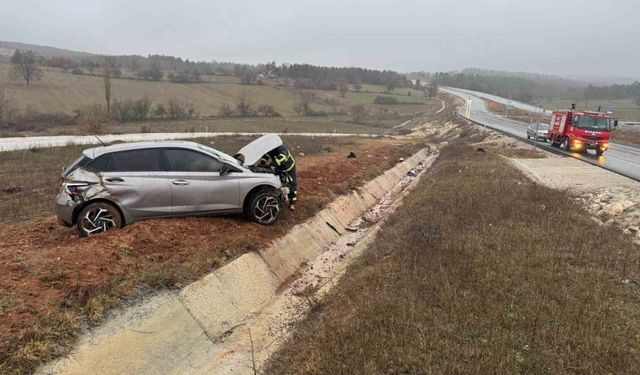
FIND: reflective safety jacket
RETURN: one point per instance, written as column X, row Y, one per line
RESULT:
column 281, row 159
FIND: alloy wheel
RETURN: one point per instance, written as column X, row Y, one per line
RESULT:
column 97, row 220
column 266, row 209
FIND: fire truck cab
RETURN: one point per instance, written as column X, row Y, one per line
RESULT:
column 579, row 131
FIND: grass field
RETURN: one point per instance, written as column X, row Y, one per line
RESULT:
column 622, row 109
column 462, row 279
column 65, row 92
column 288, row 124
column 368, row 98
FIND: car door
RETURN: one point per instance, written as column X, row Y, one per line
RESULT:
column 136, row 181
column 197, row 186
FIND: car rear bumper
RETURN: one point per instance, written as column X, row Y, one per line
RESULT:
column 65, row 207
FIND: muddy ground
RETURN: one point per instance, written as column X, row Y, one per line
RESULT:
column 52, row 283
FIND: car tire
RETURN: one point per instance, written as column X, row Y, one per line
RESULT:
column 97, row 218
column 263, row 207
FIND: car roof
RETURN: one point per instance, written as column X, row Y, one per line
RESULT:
column 97, row 151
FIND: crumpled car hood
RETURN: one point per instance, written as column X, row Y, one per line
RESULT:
column 256, row 149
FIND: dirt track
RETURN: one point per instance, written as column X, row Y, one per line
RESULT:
column 45, row 269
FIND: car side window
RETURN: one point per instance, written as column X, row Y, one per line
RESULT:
column 143, row 160
column 100, row 164
column 182, row 160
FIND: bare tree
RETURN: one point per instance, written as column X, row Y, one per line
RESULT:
column 109, row 65
column 303, row 106
column 26, row 65
column 343, row 88
column 358, row 113
column 160, row 110
column 432, row 89
column 7, row 111
column 243, row 106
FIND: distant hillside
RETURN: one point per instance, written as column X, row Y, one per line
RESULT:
column 7, row 49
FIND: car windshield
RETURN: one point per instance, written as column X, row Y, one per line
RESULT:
column 592, row 123
column 221, row 155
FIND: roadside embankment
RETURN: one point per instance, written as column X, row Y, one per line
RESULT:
column 178, row 332
column 610, row 198
column 481, row 270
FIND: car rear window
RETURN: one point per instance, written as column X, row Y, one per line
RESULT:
column 79, row 162
column 144, row 160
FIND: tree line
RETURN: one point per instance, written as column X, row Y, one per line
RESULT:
column 631, row 91
column 517, row 88
column 175, row 69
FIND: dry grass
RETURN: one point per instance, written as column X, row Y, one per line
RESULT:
column 66, row 92
column 628, row 137
column 480, row 271
column 30, row 179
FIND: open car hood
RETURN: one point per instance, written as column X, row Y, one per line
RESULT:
column 256, row 149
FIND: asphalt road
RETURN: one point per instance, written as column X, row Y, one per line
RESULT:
column 619, row 158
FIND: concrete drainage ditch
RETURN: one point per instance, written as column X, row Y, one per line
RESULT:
column 231, row 320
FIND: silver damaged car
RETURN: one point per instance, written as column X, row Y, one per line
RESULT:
column 112, row 186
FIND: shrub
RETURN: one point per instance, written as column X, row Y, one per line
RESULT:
column 244, row 107
column 91, row 119
column 225, row 110
column 130, row 110
column 177, row 109
column 381, row 99
column 77, row 71
column 358, row 113
column 267, row 111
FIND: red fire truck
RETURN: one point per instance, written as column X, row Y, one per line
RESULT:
column 579, row 131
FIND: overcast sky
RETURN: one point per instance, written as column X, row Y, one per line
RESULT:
column 590, row 38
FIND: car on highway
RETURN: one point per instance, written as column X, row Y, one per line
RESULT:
column 112, row 186
column 540, row 129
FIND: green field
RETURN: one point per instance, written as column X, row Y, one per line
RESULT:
column 66, row 92
column 368, row 97
column 622, row 109
column 61, row 92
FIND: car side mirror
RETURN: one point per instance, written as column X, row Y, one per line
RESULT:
column 226, row 169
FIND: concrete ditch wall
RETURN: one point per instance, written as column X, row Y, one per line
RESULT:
column 171, row 330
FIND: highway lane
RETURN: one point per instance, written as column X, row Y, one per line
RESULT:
column 619, row 158
column 499, row 99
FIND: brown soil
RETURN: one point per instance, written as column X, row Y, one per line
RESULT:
column 46, row 270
